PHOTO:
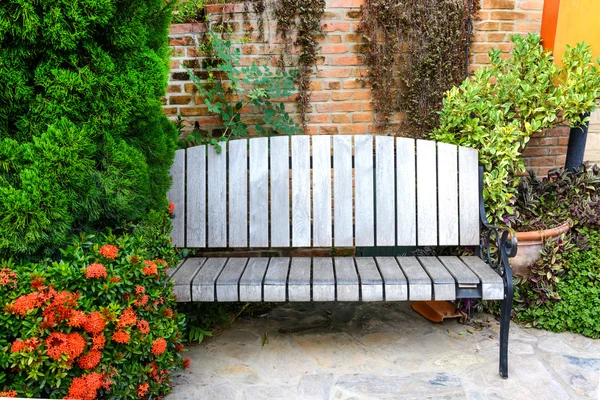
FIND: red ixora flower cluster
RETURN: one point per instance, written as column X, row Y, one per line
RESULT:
column 143, row 326
column 10, row 393
column 150, row 268
column 90, row 360
column 58, row 343
column 27, row 345
column 171, row 207
column 127, row 318
column 8, row 277
column 121, row 337
column 85, row 387
column 95, row 271
column 142, row 389
column 109, row 251
column 159, row 346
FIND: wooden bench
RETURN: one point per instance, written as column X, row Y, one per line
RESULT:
column 378, row 194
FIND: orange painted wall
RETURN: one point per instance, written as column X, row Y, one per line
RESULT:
column 577, row 21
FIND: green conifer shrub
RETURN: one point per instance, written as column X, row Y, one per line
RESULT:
column 83, row 141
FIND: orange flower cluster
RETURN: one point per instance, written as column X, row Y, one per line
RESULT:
column 27, row 345
column 26, row 303
column 143, row 326
column 150, row 268
column 142, row 389
column 141, row 301
column 127, row 318
column 8, row 277
column 95, row 271
column 98, row 342
column 38, row 282
column 140, row 290
column 60, row 308
column 109, row 251
column 159, row 346
column 171, row 207
column 71, row 344
column 94, row 323
column 159, row 375
column 115, row 279
column 85, row 387
column 186, row 362
column 121, row 337
column 10, row 393
column 90, row 360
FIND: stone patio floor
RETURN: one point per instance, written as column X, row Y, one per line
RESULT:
column 384, row 351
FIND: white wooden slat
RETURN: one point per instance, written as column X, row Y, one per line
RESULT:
column 385, row 204
column 300, row 191
column 406, row 203
column 196, row 196
column 346, row 279
column 419, row 283
column 444, row 286
column 217, row 198
column 299, row 279
column 468, row 183
column 363, row 189
column 259, row 192
column 461, row 273
column 171, row 271
column 280, row 191
column 342, row 190
column 182, row 279
column 323, row 279
column 426, row 194
column 251, row 282
column 176, row 195
column 238, row 193
column 371, row 284
column 274, row 286
column 227, row 283
column 448, row 194
column 321, row 178
column 203, row 285
column 395, row 284
column 492, row 286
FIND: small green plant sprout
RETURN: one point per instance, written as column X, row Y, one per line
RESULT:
column 231, row 91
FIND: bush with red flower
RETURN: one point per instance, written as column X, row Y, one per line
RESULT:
column 98, row 322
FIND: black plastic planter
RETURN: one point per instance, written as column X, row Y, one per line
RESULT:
column 576, row 147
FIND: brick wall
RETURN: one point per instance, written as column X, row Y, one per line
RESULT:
column 341, row 101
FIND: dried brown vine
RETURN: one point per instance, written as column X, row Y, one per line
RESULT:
column 308, row 27
column 416, row 50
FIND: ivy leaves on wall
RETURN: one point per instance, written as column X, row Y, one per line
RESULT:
column 308, row 28
column 415, row 50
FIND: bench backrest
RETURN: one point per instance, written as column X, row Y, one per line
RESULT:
column 324, row 191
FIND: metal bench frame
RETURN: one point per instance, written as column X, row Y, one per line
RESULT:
column 366, row 192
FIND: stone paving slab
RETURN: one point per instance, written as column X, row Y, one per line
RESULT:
column 343, row 351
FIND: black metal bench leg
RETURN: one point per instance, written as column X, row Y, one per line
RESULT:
column 505, row 322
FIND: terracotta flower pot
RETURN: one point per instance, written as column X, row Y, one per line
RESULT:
column 529, row 246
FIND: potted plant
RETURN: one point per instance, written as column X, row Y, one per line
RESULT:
column 547, row 208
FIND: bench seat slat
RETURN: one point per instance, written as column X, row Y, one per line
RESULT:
column 342, row 190
column 227, row 283
column 492, row 286
column 346, row 279
column 184, row 276
column 203, row 285
column 371, row 284
column 419, row 283
column 238, row 193
column 323, row 279
column 299, row 280
column 276, row 279
column 396, row 288
column 251, row 281
column 461, row 273
column 444, row 286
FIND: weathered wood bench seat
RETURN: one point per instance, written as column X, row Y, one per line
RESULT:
column 379, row 194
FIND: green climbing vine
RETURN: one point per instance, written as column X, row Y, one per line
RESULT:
column 304, row 16
column 416, row 51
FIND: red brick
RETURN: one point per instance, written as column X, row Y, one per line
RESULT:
column 174, row 89
column 338, row 107
column 531, row 5
column 189, row 88
column 187, row 28
column 319, row 96
column 507, row 26
column 334, row 85
column 486, row 26
column 507, row 15
column 180, row 99
column 542, row 161
column 345, row 3
column 317, row 118
column 181, row 41
column 334, row 73
column 362, row 117
column 335, row 26
column 194, row 111
column 499, row 4
column 558, row 131
column 347, row 60
column 353, row 38
column 334, row 49
column 535, row 151
column 174, row 64
column 353, row 84
column 169, row 110
column 496, row 37
column 334, row 38
column 340, row 119
column 353, row 128
column 353, row 14
column 178, row 51
column 311, row 130
column 329, row 130
column 557, row 151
